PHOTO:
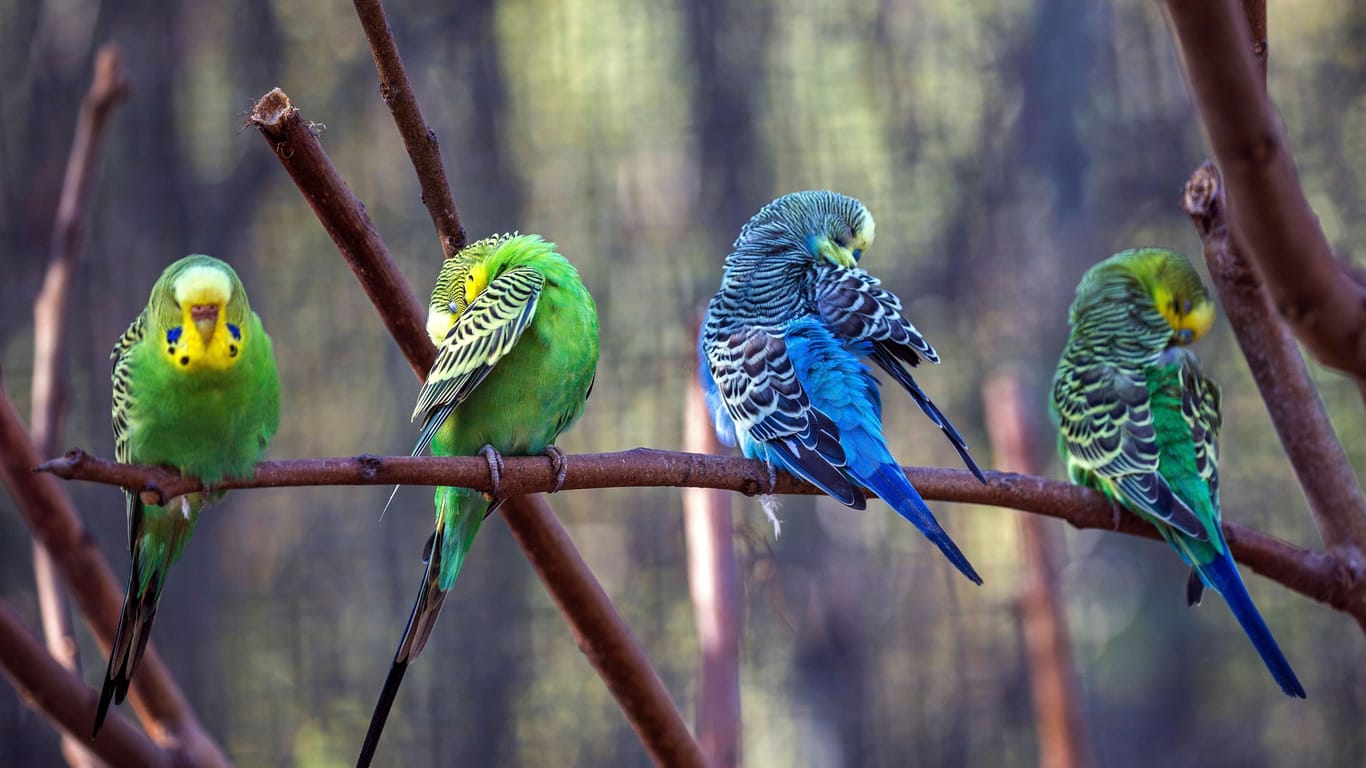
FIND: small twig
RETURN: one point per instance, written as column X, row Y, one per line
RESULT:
column 346, row 221
column 601, row 633
column 52, row 519
column 48, row 394
column 60, row 694
column 714, row 584
column 418, row 138
column 1317, row 575
column 1274, row 227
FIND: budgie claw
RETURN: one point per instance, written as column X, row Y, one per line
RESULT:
column 495, row 460
column 1117, row 514
column 561, row 464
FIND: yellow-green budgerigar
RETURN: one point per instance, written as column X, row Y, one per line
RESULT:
column 1140, row 422
column 196, row 389
column 518, row 339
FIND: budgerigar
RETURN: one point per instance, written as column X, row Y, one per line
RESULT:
column 518, row 339
column 195, row 388
column 1140, row 422
column 781, row 351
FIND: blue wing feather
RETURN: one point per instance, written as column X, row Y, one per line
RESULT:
column 1222, row 576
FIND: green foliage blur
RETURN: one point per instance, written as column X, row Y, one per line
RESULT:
column 1003, row 147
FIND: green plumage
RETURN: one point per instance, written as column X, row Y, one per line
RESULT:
column 196, row 389
column 518, row 339
column 1139, row 421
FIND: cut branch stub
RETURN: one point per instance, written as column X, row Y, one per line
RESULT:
column 296, row 145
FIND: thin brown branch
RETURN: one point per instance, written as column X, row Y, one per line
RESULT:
column 48, row 393
column 342, row 215
column 714, row 584
column 68, row 235
column 1334, row 495
column 601, row 633
column 418, row 137
column 64, row 698
column 1018, row 444
column 52, row 519
column 1273, row 225
column 1320, row 576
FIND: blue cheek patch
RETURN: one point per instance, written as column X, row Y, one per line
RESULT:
column 173, row 335
column 858, row 253
column 235, row 331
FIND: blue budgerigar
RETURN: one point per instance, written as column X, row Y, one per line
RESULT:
column 782, row 351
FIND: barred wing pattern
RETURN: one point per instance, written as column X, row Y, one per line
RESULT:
column 123, row 394
column 760, row 389
column 857, row 309
column 483, row 334
column 1106, row 420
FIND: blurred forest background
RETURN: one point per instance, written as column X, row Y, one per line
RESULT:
column 1002, row 146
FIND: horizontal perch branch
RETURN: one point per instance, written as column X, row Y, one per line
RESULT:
column 1321, row 576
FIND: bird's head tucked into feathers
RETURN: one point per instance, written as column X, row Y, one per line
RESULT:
column 451, row 295
column 1160, row 279
column 199, row 308
column 813, row 224
column 1189, row 312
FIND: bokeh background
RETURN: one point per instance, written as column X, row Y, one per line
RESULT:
column 1003, row 147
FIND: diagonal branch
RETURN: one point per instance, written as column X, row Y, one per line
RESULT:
column 48, row 394
column 418, row 138
column 1260, row 196
column 1334, row 496
column 60, row 694
column 53, row 521
column 342, row 215
column 602, row 634
column 298, row 149
column 1321, row 576
column 1271, row 219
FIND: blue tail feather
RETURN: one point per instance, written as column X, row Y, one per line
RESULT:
column 1222, row 575
column 891, row 485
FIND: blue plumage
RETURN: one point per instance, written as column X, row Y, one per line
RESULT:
column 1221, row 575
column 782, row 352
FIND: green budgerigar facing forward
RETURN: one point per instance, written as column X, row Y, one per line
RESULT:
column 196, row 389
column 1140, row 422
column 518, row 339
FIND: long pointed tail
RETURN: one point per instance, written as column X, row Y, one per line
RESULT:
column 1222, row 575
column 130, row 641
column 460, row 517
column 888, row 482
column 426, row 608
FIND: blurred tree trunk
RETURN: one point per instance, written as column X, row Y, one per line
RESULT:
column 728, row 43
column 1018, row 444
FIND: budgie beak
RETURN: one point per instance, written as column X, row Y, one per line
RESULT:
column 837, row 255
column 205, row 319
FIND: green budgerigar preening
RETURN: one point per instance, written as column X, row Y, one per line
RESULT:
column 518, row 339
column 196, row 389
column 1140, row 422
